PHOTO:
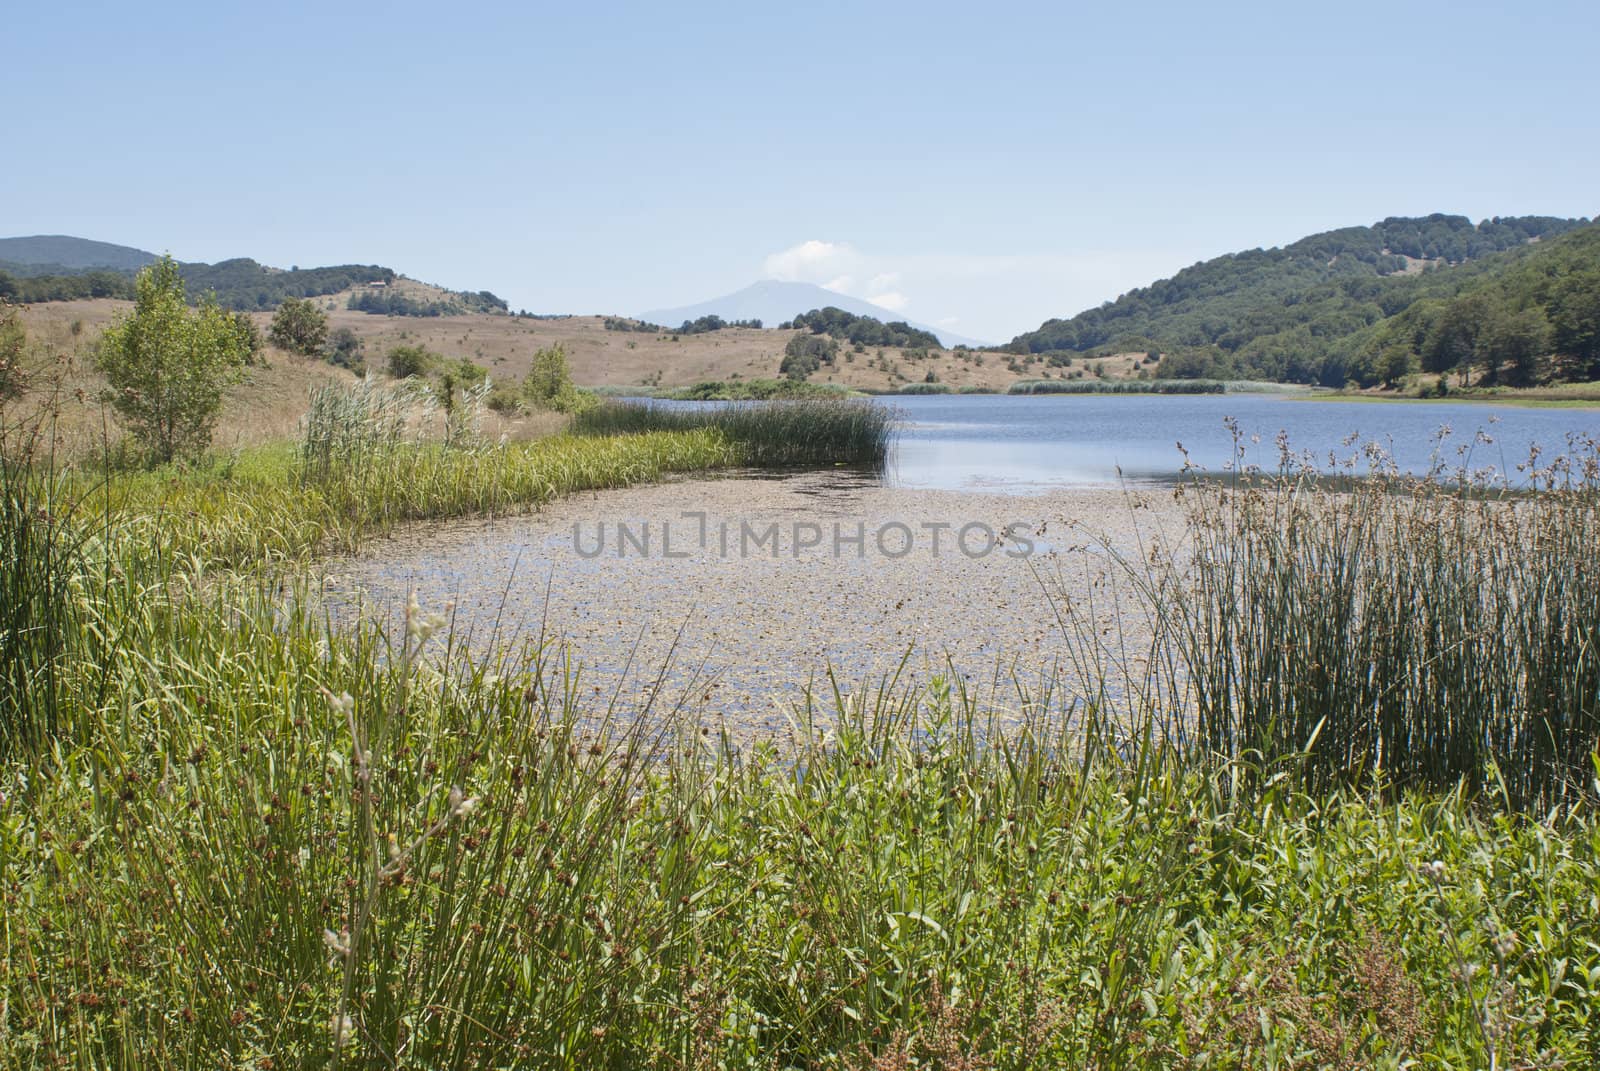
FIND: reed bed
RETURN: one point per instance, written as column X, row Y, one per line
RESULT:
column 252, row 839
column 787, row 433
column 1382, row 629
column 282, row 846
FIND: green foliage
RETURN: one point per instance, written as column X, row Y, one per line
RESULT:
column 77, row 286
column 864, row 330
column 391, row 303
column 269, row 834
column 804, row 354
column 13, row 342
column 1324, row 309
column 345, row 349
column 548, row 384
column 299, row 326
column 622, row 323
column 42, row 568
column 1408, row 633
column 780, row 433
column 167, row 366
column 248, row 335
column 243, row 283
column 407, row 361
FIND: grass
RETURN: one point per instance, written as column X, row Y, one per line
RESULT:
column 772, row 433
column 1391, row 631
column 472, row 864
column 249, row 838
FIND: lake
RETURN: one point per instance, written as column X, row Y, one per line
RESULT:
column 734, row 635
column 1022, row 443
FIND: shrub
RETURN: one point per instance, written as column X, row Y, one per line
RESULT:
column 299, row 326
column 344, row 349
column 549, row 385
column 804, row 354
column 13, row 338
column 408, row 361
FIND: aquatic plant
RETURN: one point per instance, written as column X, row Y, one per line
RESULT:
column 792, row 433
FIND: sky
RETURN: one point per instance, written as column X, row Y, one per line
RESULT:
column 981, row 167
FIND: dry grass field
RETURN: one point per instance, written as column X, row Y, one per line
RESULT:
column 505, row 345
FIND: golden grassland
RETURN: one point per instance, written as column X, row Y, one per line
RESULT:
column 505, row 345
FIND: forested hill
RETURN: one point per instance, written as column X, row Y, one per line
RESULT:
column 61, row 268
column 1306, row 312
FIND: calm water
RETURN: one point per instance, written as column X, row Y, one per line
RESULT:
column 1020, row 443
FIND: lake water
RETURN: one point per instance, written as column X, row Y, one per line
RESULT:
column 1023, row 443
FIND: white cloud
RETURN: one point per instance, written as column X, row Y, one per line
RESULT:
column 994, row 297
column 811, row 261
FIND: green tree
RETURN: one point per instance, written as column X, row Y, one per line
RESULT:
column 549, row 383
column 408, row 361
column 167, row 366
column 1513, row 347
column 299, row 326
column 344, row 349
column 1575, row 325
column 1393, row 364
column 248, row 333
column 12, row 340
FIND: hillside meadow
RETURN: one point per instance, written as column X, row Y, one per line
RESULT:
column 505, row 345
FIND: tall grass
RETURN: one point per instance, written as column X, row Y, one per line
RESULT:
column 41, row 572
column 788, row 433
column 478, row 864
column 272, row 843
column 1405, row 631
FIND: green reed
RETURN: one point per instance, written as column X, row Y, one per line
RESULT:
column 288, row 846
column 785, row 433
column 1406, row 631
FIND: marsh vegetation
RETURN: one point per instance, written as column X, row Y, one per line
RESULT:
column 1348, row 819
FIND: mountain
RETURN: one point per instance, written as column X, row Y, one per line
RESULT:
column 772, row 302
column 1306, row 312
column 50, row 254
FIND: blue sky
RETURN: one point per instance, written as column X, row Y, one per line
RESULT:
column 980, row 166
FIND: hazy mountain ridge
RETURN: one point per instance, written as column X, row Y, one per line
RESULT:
column 53, row 254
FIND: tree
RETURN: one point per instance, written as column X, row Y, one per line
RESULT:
column 1514, row 344
column 804, row 354
column 408, row 361
column 299, row 326
column 344, row 349
column 168, row 365
column 549, row 383
column 1393, row 364
column 248, row 333
column 1575, row 324
column 12, row 340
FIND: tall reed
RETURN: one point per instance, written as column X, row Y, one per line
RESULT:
column 1405, row 630
column 786, row 433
